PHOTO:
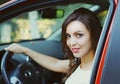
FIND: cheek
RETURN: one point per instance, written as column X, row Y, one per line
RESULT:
column 86, row 42
column 67, row 43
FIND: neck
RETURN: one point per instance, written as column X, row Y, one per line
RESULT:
column 87, row 61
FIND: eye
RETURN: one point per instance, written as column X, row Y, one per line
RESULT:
column 79, row 35
column 67, row 36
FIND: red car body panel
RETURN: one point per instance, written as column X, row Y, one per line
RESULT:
column 102, row 60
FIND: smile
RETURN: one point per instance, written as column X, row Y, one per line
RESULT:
column 75, row 50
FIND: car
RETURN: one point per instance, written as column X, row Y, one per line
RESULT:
column 37, row 24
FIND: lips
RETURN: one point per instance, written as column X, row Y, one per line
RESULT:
column 75, row 50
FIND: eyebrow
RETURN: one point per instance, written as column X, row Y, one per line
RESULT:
column 75, row 32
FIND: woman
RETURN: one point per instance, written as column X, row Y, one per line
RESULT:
column 80, row 34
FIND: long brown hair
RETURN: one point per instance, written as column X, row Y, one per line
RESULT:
column 92, row 23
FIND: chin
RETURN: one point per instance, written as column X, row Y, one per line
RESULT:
column 76, row 55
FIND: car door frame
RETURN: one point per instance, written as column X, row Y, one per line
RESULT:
column 104, row 50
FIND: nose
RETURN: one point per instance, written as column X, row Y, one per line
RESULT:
column 72, row 41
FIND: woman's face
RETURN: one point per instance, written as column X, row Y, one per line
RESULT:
column 78, row 39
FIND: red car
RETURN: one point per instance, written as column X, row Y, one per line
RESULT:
column 37, row 24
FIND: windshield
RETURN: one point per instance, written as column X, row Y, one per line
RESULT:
column 39, row 24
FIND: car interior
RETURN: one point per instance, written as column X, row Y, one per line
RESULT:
column 39, row 30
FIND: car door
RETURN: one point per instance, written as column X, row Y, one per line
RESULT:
column 109, row 55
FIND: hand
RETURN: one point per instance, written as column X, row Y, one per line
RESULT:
column 16, row 48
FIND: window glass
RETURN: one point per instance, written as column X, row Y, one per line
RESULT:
column 41, row 24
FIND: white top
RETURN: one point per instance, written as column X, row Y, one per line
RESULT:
column 79, row 77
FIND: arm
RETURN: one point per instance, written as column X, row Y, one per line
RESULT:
column 48, row 62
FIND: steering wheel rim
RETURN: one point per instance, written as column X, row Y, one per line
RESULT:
column 3, row 68
column 4, row 72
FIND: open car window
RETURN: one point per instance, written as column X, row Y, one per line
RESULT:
column 39, row 27
column 41, row 24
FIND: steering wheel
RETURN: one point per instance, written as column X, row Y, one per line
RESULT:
column 23, row 73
